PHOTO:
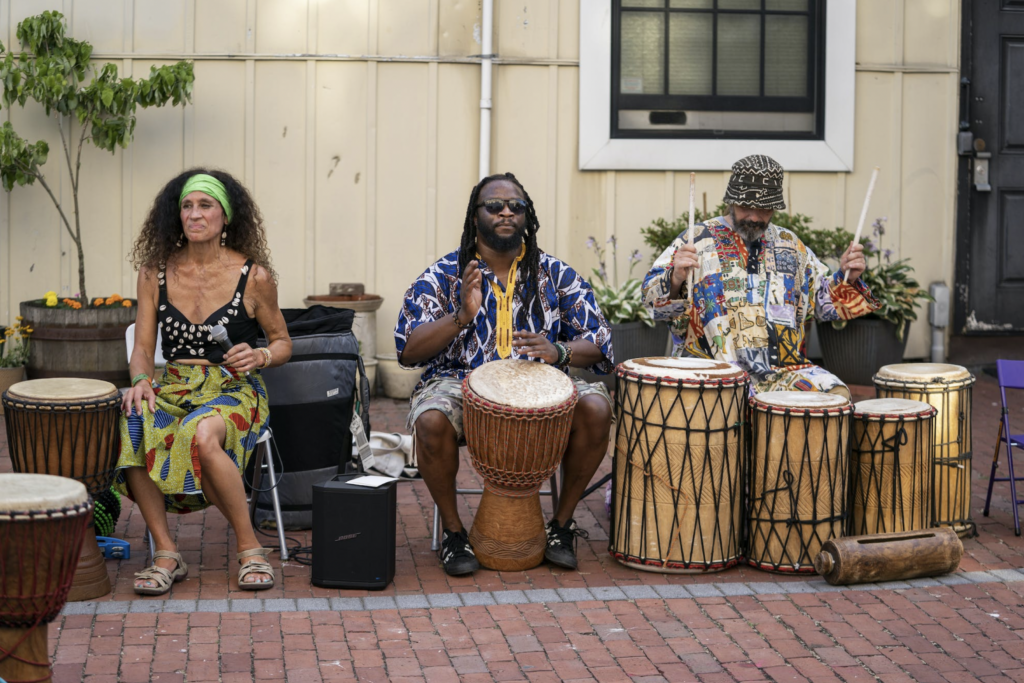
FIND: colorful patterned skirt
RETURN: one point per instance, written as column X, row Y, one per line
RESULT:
column 164, row 442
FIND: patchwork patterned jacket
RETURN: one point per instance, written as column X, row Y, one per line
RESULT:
column 749, row 307
column 570, row 312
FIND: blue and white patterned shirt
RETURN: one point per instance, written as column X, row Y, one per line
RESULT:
column 570, row 312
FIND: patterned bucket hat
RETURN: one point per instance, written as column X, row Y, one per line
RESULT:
column 756, row 182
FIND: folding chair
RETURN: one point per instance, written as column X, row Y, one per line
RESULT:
column 264, row 458
column 435, row 539
column 1011, row 376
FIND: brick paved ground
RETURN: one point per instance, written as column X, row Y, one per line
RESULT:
column 656, row 628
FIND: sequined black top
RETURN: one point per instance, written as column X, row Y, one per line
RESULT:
column 183, row 339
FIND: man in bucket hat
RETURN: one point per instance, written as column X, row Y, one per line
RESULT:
column 755, row 285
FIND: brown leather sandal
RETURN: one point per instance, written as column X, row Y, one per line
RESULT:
column 164, row 578
column 257, row 567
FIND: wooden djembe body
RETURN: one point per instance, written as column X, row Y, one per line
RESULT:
column 948, row 388
column 890, row 466
column 516, row 415
column 798, row 477
column 43, row 520
column 68, row 428
column 677, row 492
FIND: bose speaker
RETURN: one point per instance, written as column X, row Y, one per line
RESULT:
column 353, row 534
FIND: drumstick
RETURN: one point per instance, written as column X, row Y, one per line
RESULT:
column 863, row 215
column 689, row 233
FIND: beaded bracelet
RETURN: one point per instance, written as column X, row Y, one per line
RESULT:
column 568, row 356
column 268, row 357
column 139, row 377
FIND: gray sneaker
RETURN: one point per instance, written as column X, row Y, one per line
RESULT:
column 561, row 547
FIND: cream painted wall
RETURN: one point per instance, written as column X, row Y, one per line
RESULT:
column 355, row 122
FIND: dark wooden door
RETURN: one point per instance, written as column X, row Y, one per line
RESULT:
column 989, row 295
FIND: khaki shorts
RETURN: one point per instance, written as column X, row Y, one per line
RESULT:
column 445, row 394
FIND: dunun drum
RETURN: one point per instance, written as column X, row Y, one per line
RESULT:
column 68, row 428
column 798, row 477
column 43, row 521
column 890, row 466
column 516, row 415
column 677, row 491
column 948, row 388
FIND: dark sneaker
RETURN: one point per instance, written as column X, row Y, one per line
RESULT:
column 561, row 548
column 456, row 554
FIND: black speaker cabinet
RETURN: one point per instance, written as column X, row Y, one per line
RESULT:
column 353, row 534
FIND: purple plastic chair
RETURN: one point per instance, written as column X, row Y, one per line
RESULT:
column 1011, row 376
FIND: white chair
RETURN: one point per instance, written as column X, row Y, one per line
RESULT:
column 435, row 540
column 264, row 458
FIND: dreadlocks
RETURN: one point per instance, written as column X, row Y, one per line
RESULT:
column 529, row 266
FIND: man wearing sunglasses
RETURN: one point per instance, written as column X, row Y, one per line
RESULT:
column 498, row 296
column 755, row 285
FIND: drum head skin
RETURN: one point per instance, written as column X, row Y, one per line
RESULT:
column 923, row 372
column 521, row 384
column 683, row 370
column 39, row 492
column 807, row 400
column 891, row 406
column 61, row 389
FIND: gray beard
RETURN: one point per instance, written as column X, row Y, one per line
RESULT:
column 749, row 234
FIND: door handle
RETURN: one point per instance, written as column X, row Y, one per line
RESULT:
column 979, row 171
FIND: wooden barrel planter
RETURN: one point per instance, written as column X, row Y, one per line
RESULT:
column 85, row 343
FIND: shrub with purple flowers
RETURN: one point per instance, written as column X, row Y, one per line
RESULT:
column 619, row 303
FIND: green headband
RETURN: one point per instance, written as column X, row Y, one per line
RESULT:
column 202, row 182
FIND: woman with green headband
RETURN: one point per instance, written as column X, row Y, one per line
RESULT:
column 187, row 434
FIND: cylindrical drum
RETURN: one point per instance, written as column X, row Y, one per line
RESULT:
column 890, row 466
column 43, row 521
column 516, row 415
column 677, row 482
column 68, row 428
column 889, row 557
column 948, row 388
column 798, row 477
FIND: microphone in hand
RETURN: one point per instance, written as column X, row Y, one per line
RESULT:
column 220, row 335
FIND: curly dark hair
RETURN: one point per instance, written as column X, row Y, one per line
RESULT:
column 531, row 259
column 162, row 230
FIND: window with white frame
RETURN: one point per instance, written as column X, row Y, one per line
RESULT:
column 697, row 84
column 717, row 68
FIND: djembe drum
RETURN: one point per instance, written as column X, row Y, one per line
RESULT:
column 798, row 477
column 890, row 466
column 43, row 521
column 677, row 484
column 516, row 415
column 948, row 388
column 68, row 428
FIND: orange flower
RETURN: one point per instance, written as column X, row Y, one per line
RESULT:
column 126, row 303
column 98, row 301
column 113, row 299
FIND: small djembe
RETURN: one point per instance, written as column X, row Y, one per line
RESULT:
column 517, row 415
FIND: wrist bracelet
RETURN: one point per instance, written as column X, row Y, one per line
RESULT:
column 561, row 354
column 268, row 357
column 139, row 377
column 455, row 319
column 568, row 355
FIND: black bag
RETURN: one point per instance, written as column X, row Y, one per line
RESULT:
column 312, row 398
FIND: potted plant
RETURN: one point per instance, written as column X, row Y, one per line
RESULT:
column 855, row 349
column 634, row 332
column 14, row 347
column 51, row 70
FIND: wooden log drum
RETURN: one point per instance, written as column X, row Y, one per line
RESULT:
column 798, row 477
column 890, row 466
column 889, row 557
column 43, row 520
column 948, row 388
column 677, row 483
column 68, row 428
column 516, row 415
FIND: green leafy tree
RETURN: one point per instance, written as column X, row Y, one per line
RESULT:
column 51, row 70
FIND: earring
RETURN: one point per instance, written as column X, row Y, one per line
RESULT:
column 224, row 238
column 179, row 242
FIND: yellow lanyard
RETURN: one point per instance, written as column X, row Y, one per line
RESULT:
column 503, row 342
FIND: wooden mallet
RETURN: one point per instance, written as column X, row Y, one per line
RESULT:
column 863, row 215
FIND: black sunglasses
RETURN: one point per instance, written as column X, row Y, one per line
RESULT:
column 496, row 206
